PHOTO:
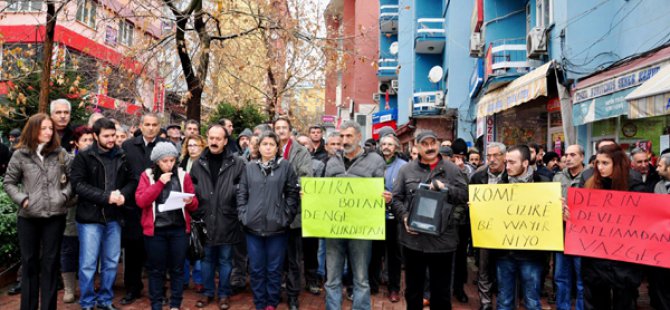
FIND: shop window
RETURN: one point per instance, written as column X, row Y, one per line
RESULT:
column 86, row 12
column 126, row 33
column 24, row 5
column 544, row 14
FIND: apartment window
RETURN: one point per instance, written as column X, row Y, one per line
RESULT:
column 543, row 16
column 126, row 32
column 86, row 12
column 24, row 5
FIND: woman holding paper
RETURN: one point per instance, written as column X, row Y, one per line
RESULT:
column 267, row 200
column 610, row 284
column 165, row 233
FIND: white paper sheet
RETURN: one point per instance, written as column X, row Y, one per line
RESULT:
column 174, row 202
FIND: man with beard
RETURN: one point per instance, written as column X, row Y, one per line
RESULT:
column 354, row 162
column 104, row 183
column 243, row 140
column 138, row 153
column 390, row 145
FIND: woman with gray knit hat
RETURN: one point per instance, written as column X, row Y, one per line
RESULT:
column 165, row 233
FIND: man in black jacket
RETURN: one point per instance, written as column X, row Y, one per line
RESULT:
column 316, row 135
column 138, row 151
column 494, row 173
column 424, row 251
column 103, row 183
column 216, row 175
column 525, row 265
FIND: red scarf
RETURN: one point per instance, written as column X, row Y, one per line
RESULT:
column 288, row 148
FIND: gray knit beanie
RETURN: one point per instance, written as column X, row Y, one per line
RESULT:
column 163, row 149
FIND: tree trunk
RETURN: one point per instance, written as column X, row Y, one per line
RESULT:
column 47, row 52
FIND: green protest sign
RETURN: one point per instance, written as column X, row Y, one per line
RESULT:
column 343, row 208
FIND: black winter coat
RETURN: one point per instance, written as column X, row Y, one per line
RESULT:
column 623, row 275
column 267, row 202
column 88, row 182
column 218, row 203
column 407, row 181
column 139, row 159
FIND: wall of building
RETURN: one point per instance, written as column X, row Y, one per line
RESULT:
column 406, row 28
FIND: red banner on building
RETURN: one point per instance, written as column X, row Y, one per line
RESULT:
column 159, row 95
column 624, row 226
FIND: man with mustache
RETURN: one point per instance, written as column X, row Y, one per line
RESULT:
column 216, row 175
column 425, row 252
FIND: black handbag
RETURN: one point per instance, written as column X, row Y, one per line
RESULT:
column 196, row 243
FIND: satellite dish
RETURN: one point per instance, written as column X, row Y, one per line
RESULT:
column 435, row 74
column 394, row 48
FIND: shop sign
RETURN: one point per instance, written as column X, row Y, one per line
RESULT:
column 616, row 84
column 328, row 118
column 490, row 129
column 378, row 126
column 554, row 105
column 477, row 78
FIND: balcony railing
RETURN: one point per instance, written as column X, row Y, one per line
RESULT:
column 508, row 57
column 430, row 35
column 427, row 103
column 388, row 18
column 387, row 68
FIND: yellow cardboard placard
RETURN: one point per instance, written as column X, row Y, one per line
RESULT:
column 520, row 216
column 343, row 208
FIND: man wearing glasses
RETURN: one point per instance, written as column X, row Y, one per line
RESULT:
column 493, row 174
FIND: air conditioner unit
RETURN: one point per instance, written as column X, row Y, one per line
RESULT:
column 386, row 86
column 439, row 99
column 394, row 85
column 376, row 97
column 536, row 42
column 476, row 45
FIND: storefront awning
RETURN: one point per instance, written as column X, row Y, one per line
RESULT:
column 651, row 98
column 600, row 108
column 521, row 90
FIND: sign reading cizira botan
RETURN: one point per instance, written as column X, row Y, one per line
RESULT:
column 343, row 208
column 520, row 216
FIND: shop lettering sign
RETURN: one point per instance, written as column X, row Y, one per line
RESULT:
column 616, row 84
column 623, row 226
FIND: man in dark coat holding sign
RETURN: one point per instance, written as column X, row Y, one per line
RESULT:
column 421, row 250
column 355, row 162
column 659, row 278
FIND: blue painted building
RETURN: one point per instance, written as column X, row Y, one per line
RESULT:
column 543, row 66
column 429, row 40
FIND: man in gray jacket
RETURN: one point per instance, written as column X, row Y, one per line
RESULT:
column 301, row 161
column 355, row 162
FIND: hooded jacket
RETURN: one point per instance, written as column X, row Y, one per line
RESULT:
column 268, row 200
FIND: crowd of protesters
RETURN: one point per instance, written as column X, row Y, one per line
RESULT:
column 87, row 193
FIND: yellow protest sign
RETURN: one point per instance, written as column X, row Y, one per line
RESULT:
column 520, row 216
column 344, row 208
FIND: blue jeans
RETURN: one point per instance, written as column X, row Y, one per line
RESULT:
column 217, row 257
column 166, row 250
column 321, row 258
column 103, row 241
column 358, row 252
column 197, row 271
column 530, row 274
column 568, row 269
column 266, row 258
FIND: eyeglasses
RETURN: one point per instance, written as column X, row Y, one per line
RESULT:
column 489, row 156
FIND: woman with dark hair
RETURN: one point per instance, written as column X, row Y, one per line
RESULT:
column 69, row 255
column 37, row 180
column 165, row 232
column 610, row 284
column 267, row 200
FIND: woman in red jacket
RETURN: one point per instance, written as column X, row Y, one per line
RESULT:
column 165, row 233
